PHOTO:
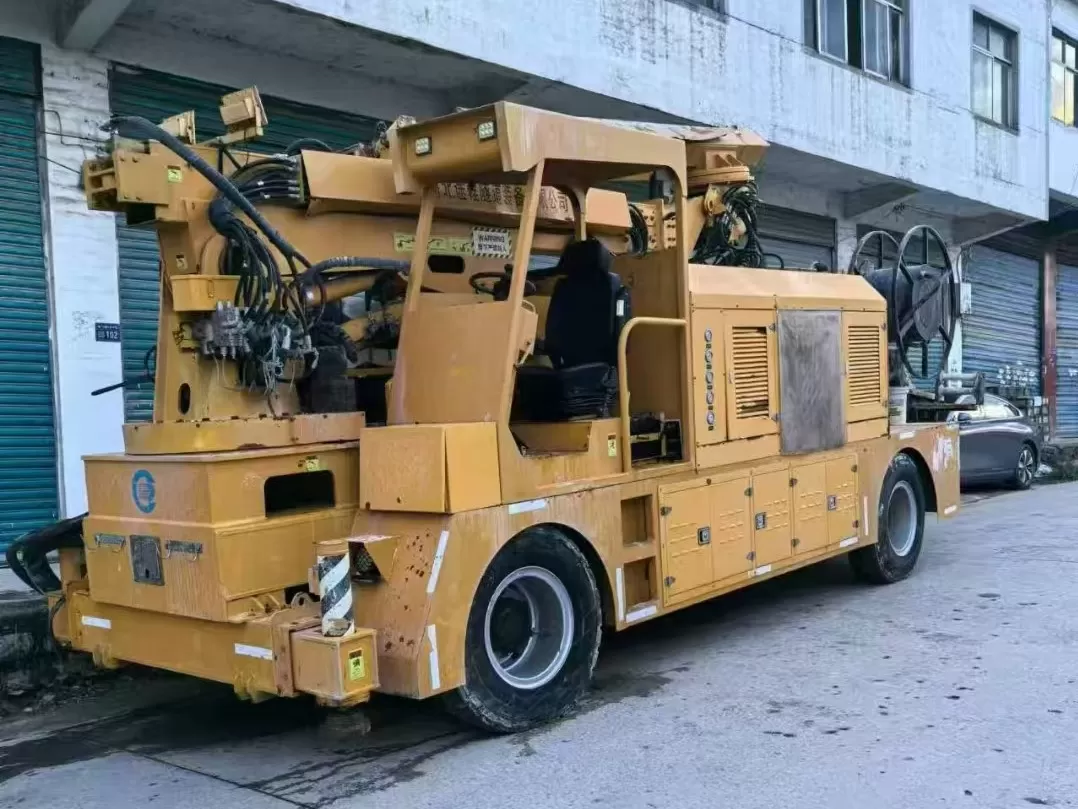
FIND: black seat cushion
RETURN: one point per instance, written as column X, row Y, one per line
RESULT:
column 587, row 311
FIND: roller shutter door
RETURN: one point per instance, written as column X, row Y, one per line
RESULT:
column 1066, row 403
column 28, row 469
column 1001, row 334
column 799, row 239
column 156, row 96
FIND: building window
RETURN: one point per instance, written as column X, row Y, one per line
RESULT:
column 718, row 6
column 994, row 85
column 871, row 35
column 1063, row 70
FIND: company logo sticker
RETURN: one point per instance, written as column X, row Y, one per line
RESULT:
column 144, row 491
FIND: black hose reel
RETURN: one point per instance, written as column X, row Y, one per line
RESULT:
column 923, row 300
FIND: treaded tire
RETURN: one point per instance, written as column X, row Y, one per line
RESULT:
column 1022, row 478
column 880, row 563
column 486, row 700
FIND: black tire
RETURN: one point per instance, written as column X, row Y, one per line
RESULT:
column 892, row 558
column 487, row 700
column 1025, row 467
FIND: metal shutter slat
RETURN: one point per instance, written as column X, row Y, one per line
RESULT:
column 28, row 452
column 1003, row 328
column 1066, row 403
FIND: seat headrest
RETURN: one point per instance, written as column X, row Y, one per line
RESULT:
column 589, row 255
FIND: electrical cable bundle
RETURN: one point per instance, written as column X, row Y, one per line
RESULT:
column 271, row 303
column 717, row 244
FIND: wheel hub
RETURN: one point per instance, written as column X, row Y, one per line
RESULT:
column 529, row 628
column 901, row 518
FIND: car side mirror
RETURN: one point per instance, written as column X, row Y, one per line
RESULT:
column 964, row 417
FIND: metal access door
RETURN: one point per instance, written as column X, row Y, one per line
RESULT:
column 156, row 96
column 28, row 468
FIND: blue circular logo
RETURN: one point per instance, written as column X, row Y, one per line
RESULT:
column 143, row 491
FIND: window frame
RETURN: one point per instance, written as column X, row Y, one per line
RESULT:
column 903, row 60
column 1065, row 41
column 854, row 12
column 717, row 7
column 1011, row 37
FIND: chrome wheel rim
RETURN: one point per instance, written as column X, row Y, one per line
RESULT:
column 901, row 517
column 1026, row 466
column 528, row 631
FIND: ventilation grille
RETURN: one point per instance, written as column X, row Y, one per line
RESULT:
column 864, row 369
column 750, row 372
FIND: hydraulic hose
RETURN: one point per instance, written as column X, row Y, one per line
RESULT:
column 311, row 144
column 138, row 128
column 379, row 264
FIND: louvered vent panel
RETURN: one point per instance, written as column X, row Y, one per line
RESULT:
column 750, row 372
column 864, row 365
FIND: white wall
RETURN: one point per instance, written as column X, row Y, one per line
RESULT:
column 1063, row 140
column 751, row 68
column 83, row 265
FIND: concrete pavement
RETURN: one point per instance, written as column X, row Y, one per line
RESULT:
column 955, row 688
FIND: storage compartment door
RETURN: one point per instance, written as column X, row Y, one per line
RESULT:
column 842, row 522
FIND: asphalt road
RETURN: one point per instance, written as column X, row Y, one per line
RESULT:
column 954, row 688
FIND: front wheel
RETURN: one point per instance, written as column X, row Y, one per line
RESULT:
column 533, row 635
column 900, row 527
column 1025, row 469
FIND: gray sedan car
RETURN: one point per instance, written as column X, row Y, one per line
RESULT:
column 998, row 445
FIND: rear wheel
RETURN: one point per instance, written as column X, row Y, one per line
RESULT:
column 1025, row 468
column 533, row 635
column 900, row 527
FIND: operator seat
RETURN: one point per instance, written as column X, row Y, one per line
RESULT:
column 587, row 311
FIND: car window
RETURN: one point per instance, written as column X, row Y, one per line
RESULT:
column 995, row 408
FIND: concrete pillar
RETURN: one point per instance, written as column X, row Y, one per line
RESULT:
column 83, row 265
column 845, row 243
column 954, row 361
column 1049, row 351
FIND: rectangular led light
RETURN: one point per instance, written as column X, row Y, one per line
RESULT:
column 486, row 130
column 422, row 146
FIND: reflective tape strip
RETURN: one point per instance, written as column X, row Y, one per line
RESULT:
column 97, row 623
column 260, row 652
column 762, row 570
column 436, row 565
column 641, row 614
column 435, row 673
column 848, row 541
column 619, row 585
column 864, row 515
column 949, row 510
column 526, row 506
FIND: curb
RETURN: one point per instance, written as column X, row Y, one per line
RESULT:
column 26, row 651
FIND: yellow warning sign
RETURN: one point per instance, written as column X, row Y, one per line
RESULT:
column 357, row 669
column 175, row 175
column 612, row 446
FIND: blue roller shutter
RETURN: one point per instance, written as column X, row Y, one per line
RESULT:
column 156, row 96
column 1002, row 331
column 28, row 477
column 1067, row 351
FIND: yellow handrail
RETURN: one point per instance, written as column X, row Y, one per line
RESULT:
column 623, row 380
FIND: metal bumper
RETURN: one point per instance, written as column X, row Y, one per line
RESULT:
column 281, row 654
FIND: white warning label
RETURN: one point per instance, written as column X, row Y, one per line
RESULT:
column 492, row 242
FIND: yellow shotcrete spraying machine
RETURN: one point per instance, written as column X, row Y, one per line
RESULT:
column 394, row 449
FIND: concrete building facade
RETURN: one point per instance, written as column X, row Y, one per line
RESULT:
column 881, row 113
